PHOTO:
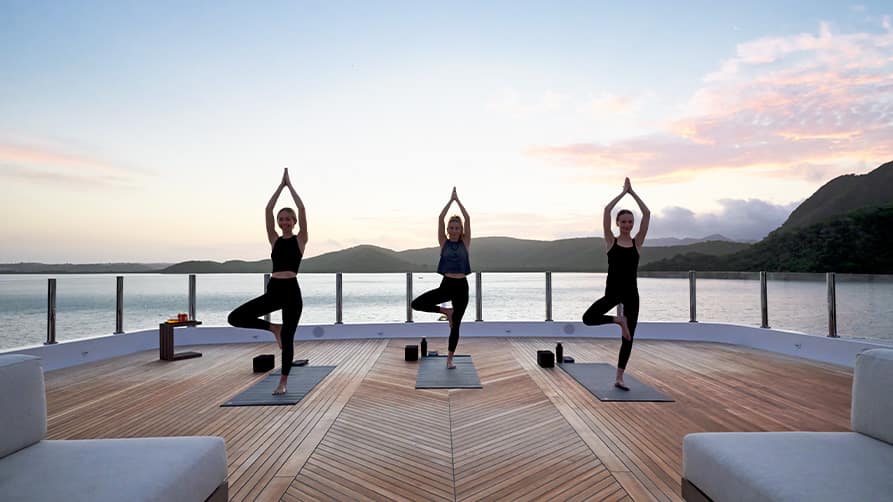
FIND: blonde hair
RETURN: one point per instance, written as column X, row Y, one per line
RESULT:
column 290, row 211
column 457, row 219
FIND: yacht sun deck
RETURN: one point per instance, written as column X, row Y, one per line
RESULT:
column 365, row 432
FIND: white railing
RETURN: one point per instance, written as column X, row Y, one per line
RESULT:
column 479, row 317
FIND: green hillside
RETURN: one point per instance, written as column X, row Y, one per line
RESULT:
column 859, row 242
column 842, row 195
column 488, row 254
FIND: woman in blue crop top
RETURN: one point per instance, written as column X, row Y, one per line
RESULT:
column 283, row 292
column 620, row 287
column 454, row 266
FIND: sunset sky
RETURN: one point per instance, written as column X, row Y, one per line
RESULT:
column 157, row 131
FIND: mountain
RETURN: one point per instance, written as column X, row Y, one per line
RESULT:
column 363, row 258
column 675, row 241
column 80, row 268
column 488, row 254
column 843, row 195
column 213, row 267
column 859, row 243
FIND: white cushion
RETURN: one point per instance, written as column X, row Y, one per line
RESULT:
column 23, row 407
column 872, row 410
column 98, row 470
column 789, row 466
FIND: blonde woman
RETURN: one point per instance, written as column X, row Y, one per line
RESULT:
column 454, row 265
column 283, row 292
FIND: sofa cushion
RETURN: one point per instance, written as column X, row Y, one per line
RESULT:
column 23, row 407
column 790, row 466
column 872, row 411
column 143, row 469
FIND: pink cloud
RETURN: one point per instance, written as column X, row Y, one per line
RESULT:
column 49, row 164
column 782, row 105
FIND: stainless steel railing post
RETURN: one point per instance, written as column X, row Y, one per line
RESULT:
column 408, row 296
column 191, row 297
column 478, row 297
column 119, row 305
column 764, row 301
column 692, row 297
column 266, row 287
column 338, row 298
column 51, row 312
column 548, row 296
column 832, row 304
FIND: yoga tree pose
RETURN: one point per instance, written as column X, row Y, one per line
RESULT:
column 620, row 286
column 283, row 292
column 454, row 266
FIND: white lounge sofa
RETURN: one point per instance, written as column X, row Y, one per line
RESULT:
column 803, row 466
column 96, row 470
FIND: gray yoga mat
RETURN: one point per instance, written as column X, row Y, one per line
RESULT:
column 301, row 381
column 598, row 378
column 433, row 374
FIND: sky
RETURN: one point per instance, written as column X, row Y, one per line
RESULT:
column 157, row 131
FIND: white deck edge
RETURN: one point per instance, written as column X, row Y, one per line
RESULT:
column 838, row 351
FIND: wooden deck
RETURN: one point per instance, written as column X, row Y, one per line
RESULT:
column 365, row 433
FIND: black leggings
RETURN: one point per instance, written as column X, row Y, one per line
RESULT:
column 284, row 294
column 454, row 290
column 595, row 315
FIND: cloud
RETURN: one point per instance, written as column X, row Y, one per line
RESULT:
column 603, row 106
column 51, row 164
column 777, row 107
column 608, row 104
column 514, row 104
column 739, row 219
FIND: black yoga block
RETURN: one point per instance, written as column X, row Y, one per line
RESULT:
column 568, row 359
column 411, row 352
column 263, row 363
column 545, row 358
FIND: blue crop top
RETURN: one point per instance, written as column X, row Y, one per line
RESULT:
column 454, row 258
column 286, row 254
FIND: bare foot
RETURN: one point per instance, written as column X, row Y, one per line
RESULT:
column 450, row 365
column 624, row 329
column 620, row 385
column 277, row 332
column 449, row 315
column 283, row 379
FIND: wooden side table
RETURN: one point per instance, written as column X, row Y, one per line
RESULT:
column 166, row 341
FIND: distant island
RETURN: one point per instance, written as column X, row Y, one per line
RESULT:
column 845, row 226
column 491, row 254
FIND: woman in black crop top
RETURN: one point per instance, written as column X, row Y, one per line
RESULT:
column 283, row 292
column 454, row 266
column 620, row 287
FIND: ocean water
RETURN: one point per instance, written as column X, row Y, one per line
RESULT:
column 85, row 304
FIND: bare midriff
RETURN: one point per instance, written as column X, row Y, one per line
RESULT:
column 284, row 274
column 454, row 276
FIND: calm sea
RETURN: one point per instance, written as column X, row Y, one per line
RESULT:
column 85, row 304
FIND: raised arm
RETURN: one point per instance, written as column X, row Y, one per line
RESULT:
column 646, row 219
column 467, row 231
column 303, row 236
column 268, row 212
column 606, row 222
column 441, row 226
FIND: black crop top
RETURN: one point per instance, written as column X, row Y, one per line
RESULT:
column 622, row 265
column 286, row 255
